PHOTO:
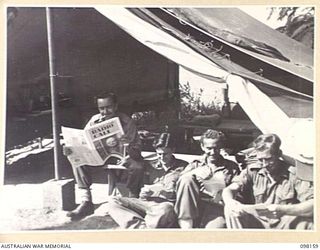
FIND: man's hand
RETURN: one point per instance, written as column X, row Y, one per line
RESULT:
column 166, row 194
column 272, row 211
column 67, row 151
column 145, row 193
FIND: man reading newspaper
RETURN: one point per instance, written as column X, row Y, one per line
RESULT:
column 108, row 108
column 281, row 198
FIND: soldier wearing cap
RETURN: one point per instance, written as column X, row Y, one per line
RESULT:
column 154, row 207
column 280, row 199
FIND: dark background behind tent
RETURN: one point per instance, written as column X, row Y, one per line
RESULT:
column 93, row 55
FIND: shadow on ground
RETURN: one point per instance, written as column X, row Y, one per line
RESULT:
column 29, row 219
column 22, row 198
column 39, row 168
column 90, row 223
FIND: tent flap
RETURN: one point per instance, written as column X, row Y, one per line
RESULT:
column 262, row 110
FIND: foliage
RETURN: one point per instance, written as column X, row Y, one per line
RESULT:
column 192, row 104
column 299, row 23
column 144, row 117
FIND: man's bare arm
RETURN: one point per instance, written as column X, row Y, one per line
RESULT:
column 230, row 192
column 304, row 209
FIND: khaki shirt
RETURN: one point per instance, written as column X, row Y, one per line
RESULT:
column 286, row 188
column 165, row 186
column 224, row 170
column 212, row 180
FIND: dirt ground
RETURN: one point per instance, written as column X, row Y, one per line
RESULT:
column 22, row 210
column 22, row 198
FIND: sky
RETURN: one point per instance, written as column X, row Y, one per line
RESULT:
column 261, row 13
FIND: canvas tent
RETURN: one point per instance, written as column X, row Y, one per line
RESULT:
column 267, row 73
column 278, row 101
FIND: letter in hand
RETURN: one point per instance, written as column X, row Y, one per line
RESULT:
column 66, row 150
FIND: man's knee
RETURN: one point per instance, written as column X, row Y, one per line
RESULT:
column 185, row 181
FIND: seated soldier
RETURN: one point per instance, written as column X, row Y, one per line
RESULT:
column 200, row 185
column 108, row 108
column 280, row 199
column 154, row 208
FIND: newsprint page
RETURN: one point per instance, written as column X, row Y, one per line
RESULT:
column 158, row 123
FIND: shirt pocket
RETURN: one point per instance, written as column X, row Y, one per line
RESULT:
column 203, row 172
column 285, row 194
column 170, row 180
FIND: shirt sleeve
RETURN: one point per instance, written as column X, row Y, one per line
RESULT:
column 243, row 178
column 303, row 189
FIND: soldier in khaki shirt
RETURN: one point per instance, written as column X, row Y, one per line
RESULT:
column 200, row 185
column 154, row 208
column 107, row 105
column 279, row 198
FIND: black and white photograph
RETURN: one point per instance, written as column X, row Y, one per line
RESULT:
column 214, row 106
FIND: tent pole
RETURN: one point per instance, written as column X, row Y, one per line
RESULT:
column 53, row 75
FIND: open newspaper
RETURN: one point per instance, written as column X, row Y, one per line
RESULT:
column 95, row 145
